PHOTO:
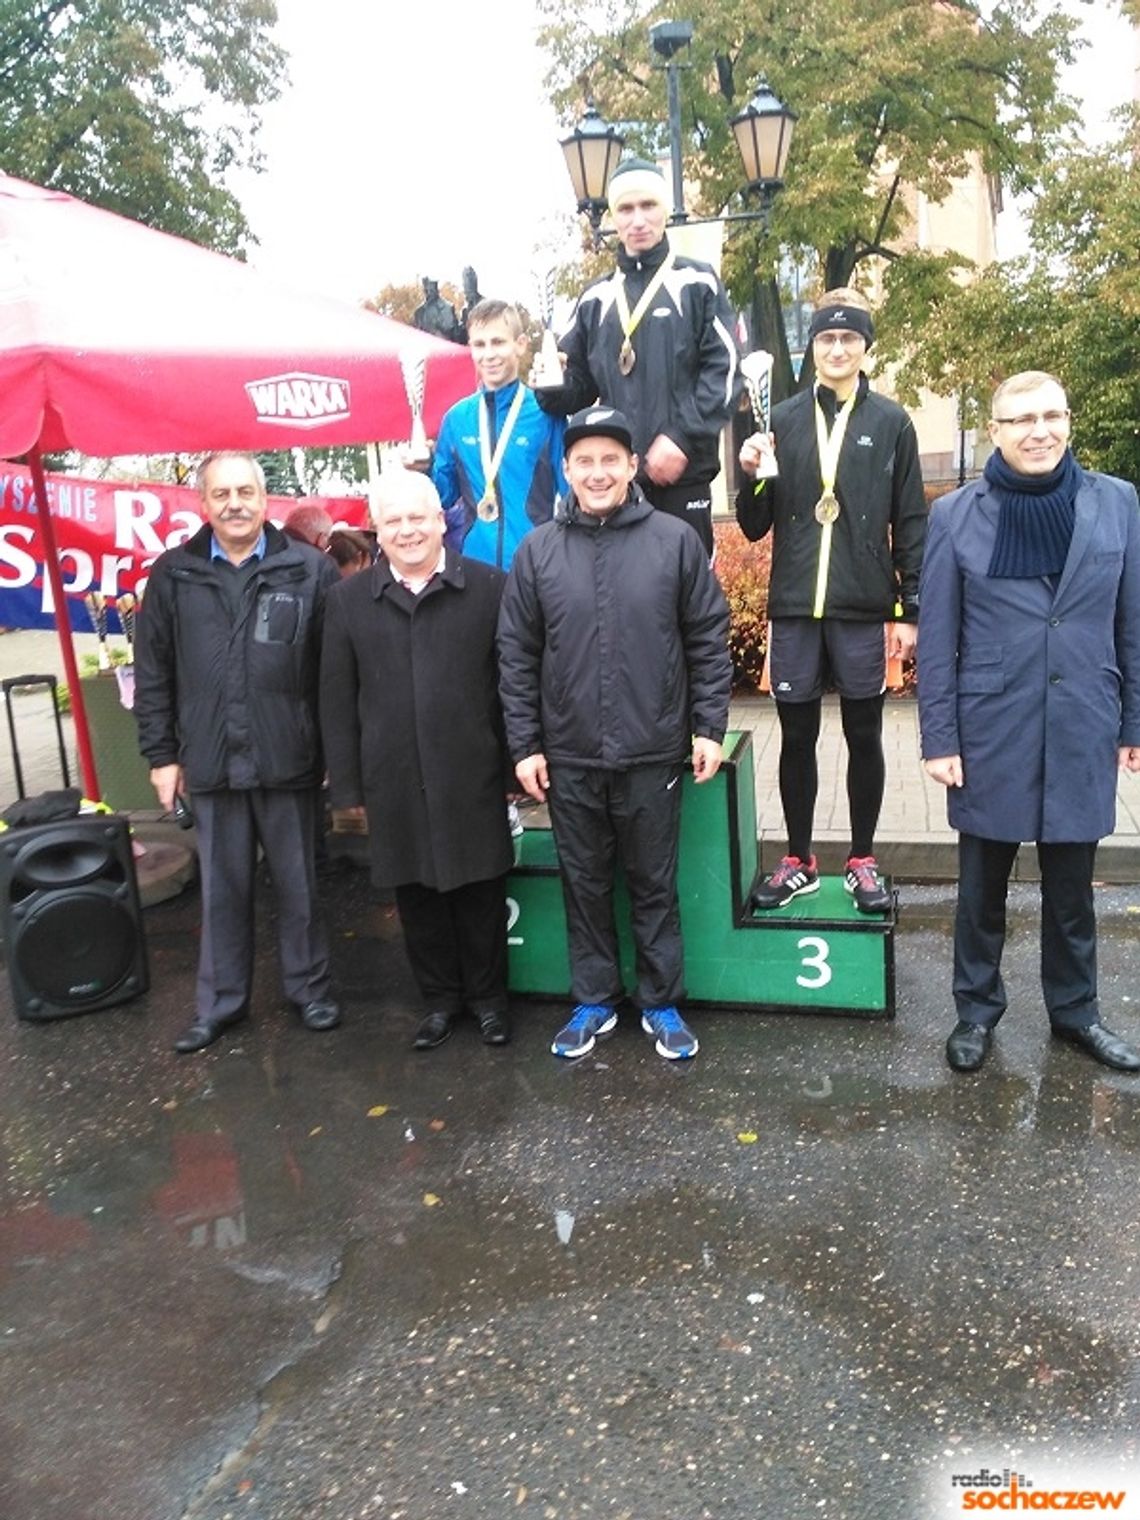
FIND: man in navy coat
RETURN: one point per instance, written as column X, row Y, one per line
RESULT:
column 1029, row 701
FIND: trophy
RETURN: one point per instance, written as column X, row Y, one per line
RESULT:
column 96, row 604
column 414, row 370
column 126, row 607
column 756, row 370
column 547, row 370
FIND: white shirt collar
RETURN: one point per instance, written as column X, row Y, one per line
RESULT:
column 416, row 584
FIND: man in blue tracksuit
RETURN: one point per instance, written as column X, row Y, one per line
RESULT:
column 498, row 459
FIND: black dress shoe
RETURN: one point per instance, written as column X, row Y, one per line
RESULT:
column 967, row 1046
column 1104, row 1046
column 433, row 1031
column 495, row 1027
column 320, row 1015
column 203, row 1032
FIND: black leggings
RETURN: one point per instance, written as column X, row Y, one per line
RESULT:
column 799, row 772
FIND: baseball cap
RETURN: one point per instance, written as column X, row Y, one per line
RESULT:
column 598, row 422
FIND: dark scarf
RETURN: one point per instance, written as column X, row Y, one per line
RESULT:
column 1035, row 525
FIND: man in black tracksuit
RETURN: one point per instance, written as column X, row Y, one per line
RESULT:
column 848, row 518
column 614, row 669
column 226, row 668
column 655, row 339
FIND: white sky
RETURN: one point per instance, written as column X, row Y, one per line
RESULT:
column 416, row 138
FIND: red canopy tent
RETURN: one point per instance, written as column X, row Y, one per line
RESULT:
column 115, row 339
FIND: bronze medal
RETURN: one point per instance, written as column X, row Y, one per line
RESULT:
column 626, row 358
column 488, row 508
column 827, row 508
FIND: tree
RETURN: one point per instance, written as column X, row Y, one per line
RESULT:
column 888, row 92
column 1072, row 307
column 139, row 106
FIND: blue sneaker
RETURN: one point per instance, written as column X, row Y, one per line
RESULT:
column 674, row 1039
column 586, row 1022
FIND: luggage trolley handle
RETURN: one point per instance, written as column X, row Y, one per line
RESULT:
column 12, row 683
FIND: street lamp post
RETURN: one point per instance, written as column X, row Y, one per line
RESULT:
column 762, row 131
column 592, row 151
column 668, row 38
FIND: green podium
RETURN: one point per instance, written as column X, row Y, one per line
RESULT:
column 817, row 955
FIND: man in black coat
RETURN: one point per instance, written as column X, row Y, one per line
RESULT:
column 613, row 648
column 414, row 737
column 225, row 696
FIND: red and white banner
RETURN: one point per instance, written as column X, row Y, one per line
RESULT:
column 108, row 535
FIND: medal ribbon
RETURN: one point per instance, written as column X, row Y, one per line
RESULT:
column 629, row 323
column 829, row 448
column 491, row 464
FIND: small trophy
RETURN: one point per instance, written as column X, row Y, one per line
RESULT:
column 756, row 370
column 415, row 375
column 96, row 604
column 126, row 607
column 546, row 373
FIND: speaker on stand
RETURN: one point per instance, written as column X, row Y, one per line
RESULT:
column 72, row 924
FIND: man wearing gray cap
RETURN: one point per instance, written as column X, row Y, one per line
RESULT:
column 655, row 338
column 614, row 673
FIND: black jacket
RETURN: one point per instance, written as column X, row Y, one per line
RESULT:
column 613, row 640
column 876, row 551
column 412, row 726
column 230, row 692
column 686, row 381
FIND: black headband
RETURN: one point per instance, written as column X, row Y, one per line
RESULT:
column 842, row 319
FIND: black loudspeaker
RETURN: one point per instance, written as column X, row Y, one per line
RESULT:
column 73, row 936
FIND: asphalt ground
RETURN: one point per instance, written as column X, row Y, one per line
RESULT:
column 321, row 1276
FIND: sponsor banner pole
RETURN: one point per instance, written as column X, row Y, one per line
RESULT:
column 63, row 627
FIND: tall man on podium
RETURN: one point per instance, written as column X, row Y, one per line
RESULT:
column 655, row 340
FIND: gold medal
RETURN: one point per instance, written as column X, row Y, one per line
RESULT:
column 626, row 358
column 827, row 508
column 488, row 509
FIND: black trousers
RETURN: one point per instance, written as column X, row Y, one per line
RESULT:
column 231, row 825
column 1068, row 931
column 456, row 943
column 599, row 817
column 692, row 504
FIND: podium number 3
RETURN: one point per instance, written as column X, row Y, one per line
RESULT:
column 817, row 961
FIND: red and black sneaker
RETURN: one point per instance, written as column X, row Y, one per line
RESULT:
column 791, row 878
column 861, row 878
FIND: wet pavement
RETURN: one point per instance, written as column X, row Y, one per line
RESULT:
column 810, row 1273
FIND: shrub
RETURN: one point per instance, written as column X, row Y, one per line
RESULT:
column 743, row 570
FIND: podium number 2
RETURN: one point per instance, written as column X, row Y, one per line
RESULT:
column 817, row 961
column 513, row 912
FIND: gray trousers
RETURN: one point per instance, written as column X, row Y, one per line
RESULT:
column 599, row 817
column 231, row 824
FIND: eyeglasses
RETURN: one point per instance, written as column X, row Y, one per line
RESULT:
column 1054, row 421
column 846, row 340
